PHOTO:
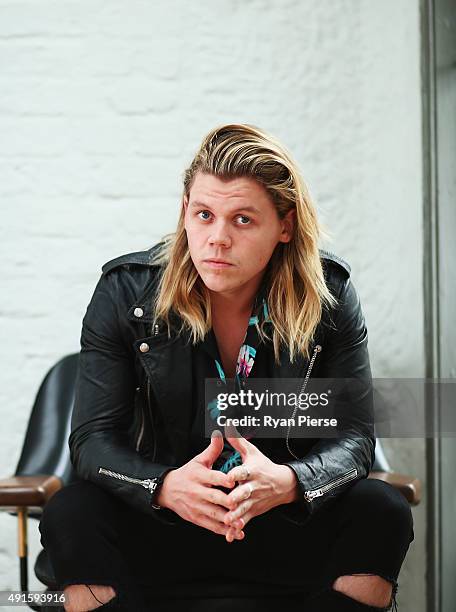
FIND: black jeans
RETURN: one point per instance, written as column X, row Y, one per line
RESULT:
column 93, row 537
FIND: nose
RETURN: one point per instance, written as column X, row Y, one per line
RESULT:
column 219, row 235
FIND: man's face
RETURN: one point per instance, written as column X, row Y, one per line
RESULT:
column 234, row 221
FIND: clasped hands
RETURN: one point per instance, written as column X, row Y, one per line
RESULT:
column 191, row 490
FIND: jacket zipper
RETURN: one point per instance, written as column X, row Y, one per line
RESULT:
column 154, row 433
column 148, row 483
column 317, row 349
column 312, row 493
column 141, row 432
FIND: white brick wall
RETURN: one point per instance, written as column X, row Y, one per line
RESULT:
column 102, row 105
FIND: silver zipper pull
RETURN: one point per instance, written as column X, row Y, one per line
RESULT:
column 310, row 495
column 150, row 484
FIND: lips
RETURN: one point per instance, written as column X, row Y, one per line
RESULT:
column 213, row 263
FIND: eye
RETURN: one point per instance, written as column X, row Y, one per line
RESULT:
column 203, row 211
column 244, row 217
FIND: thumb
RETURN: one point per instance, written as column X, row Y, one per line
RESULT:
column 237, row 441
column 210, row 454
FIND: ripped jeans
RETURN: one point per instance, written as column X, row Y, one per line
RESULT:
column 93, row 537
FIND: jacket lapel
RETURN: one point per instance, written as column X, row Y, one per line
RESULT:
column 168, row 365
column 286, row 369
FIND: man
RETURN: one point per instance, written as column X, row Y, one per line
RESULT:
column 239, row 290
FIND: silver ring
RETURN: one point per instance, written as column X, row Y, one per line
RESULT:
column 251, row 489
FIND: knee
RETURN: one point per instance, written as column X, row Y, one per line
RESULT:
column 395, row 509
column 380, row 503
column 72, row 509
column 54, row 513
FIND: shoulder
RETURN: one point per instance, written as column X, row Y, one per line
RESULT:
column 331, row 259
column 336, row 270
column 142, row 259
column 129, row 279
column 347, row 309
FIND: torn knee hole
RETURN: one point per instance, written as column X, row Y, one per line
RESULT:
column 102, row 585
column 339, row 584
column 387, row 580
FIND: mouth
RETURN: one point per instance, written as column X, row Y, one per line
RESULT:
column 214, row 263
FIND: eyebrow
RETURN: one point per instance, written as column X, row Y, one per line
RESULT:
column 196, row 204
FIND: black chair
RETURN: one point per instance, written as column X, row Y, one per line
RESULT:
column 44, row 467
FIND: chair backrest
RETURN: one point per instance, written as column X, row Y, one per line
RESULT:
column 45, row 449
column 381, row 463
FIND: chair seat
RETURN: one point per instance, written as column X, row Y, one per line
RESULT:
column 30, row 491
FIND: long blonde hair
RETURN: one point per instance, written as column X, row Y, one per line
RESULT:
column 296, row 290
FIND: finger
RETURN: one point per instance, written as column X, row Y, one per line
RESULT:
column 216, row 478
column 215, row 526
column 212, row 525
column 237, row 441
column 208, row 456
column 239, row 494
column 233, row 534
column 245, row 518
column 214, row 496
column 239, row 512
column 235, row 530
column 239, row 524
column 240, row 473
column 213, row 511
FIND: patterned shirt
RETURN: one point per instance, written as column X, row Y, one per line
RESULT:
column 253, row 360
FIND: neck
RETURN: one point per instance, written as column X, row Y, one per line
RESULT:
column 236, row 304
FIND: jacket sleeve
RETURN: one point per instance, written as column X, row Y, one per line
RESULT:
column 333, row 464
column 104, row 408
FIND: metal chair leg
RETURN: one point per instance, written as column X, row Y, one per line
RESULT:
column 22, row 533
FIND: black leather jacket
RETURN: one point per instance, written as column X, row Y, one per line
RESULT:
column 131, row 418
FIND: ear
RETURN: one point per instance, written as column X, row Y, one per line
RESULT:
column 184, row 210
column 288, row 223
